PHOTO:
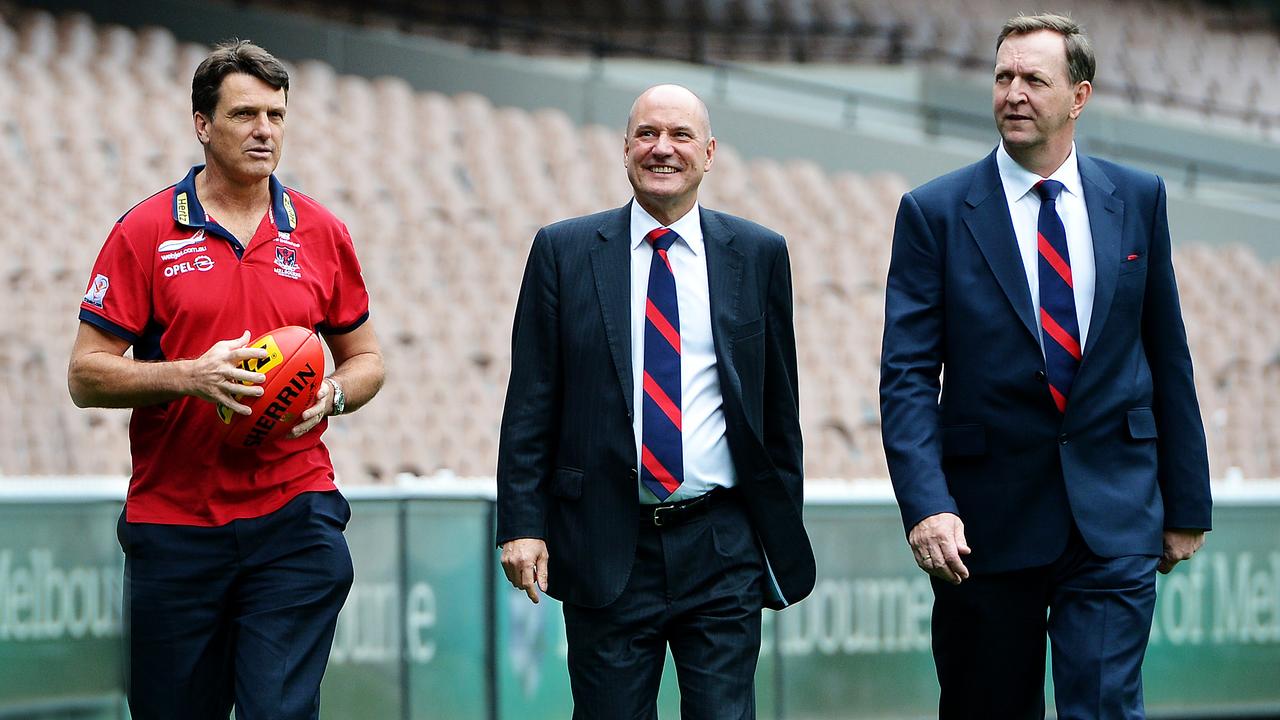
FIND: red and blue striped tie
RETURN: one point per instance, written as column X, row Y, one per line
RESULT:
column 1060, row 330
column 661, row 453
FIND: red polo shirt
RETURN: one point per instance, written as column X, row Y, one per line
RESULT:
column 173, row 282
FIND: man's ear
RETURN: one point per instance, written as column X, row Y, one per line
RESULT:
column 201, row 124
column 1083, row 91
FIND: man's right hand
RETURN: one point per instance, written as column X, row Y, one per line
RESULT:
column 524, row 560
column 216, row 375
column 938, row 544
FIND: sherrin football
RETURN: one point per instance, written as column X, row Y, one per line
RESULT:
column 294, row 367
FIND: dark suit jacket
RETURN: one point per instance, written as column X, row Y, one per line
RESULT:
column 567, row 457
column 1127, row 459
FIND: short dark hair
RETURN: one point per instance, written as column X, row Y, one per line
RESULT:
column 234, row 56
column 1081, row 62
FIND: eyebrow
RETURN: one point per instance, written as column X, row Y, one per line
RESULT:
column 251, row 106
column 677, row 128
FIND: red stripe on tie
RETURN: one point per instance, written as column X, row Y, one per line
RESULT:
column 663, row 254
column 1058, row 399
column 659, row 321
column 659, row 472
column 1055, row 260
column 655, row 391
column 1063, row 338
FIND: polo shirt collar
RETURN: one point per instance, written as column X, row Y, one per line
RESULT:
column 188, row 212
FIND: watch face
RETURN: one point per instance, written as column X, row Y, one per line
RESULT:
column 339, row 397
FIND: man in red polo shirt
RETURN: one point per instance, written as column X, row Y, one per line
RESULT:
column 235, row 563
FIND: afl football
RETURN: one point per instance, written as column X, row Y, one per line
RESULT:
column 294, row 367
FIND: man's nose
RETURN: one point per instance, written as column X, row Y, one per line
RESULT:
column 261, row 125
column 1017, row 92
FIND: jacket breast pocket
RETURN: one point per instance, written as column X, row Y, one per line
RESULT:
column 566, row 483
column 964, row 440
column 1142, row 424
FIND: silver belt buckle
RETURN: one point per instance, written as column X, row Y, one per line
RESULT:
column 657, row 514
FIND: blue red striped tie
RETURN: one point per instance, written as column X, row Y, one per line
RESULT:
column 1059, row 328
column 661, row 450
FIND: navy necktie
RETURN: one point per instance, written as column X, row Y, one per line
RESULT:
column 1059, row 327
column 662, row 451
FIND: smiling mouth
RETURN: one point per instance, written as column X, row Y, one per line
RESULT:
column 663, row 170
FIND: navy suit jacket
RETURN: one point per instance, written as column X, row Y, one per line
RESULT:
column 1128, row 457
column 567, row 455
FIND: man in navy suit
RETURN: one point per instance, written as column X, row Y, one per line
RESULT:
column 1061, row 461
column 649, row 470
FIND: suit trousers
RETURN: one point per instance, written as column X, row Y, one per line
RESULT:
column 989, row 638
column 239, row 614
column 696, row 587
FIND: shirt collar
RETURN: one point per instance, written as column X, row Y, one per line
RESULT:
column 1018, row 181
column 188, row 211
column 688, row 227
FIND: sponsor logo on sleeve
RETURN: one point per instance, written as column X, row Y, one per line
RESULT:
column 97, row 290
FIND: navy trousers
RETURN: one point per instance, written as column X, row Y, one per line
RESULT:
column 989, row 638
column 696, row 587
column 241, row 614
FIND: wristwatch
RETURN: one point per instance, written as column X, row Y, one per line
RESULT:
column 339, row 397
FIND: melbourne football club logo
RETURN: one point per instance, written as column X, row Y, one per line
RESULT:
column 97, row 290
column 287, row 262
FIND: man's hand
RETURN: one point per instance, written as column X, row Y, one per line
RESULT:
column 1179, row 545
column 312, row 416
column 216, row 375
column 524, row 560
column 938, row 544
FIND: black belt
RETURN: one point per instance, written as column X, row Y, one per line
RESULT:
column 675, row 513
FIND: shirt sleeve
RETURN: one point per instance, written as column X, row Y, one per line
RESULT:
column 349, row 304
column 118, row 298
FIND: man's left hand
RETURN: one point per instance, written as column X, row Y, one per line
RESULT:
column 317, row 412
column 1179, row 545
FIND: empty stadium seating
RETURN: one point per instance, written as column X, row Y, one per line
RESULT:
column 443, row 195
column 1209, row 62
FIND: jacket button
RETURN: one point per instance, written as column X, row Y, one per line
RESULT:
column 1062, row 439
column 632, row 475
column 1040, row 376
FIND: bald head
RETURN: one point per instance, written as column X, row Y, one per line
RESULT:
column 676, row 96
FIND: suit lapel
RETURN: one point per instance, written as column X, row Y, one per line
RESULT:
column 987, row 217
column 724, row 280
column 1106, row 222
column 611, row 265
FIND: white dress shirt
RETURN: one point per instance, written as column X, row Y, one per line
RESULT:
column 1024, row 210
column 707, row 461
